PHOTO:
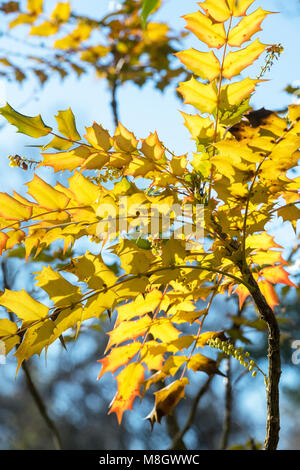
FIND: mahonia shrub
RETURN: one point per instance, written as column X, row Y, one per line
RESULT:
column 237, row 181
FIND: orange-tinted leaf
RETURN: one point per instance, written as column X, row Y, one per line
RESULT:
column 118, row 357
column 277, row 274
column 269, row 293
column 129, row 384
column 128, row 330
column 242, row 293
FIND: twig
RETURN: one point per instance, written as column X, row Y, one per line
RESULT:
column 228, row 406
column 179, row 436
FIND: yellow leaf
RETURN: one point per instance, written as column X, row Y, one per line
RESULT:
column 60, row 291
column 139, row 167
column 134, row 260
column 95, row 161
column 198, row 362
column 98, row 137
column 237, row 61
column 35, row 6
column 152, row 355
column 166, row 399
column 294, row 112
column 45, row 29
column 248, row 26
column 92, row 270
column 124, row 140
column 23, row 305
column 45, row 195
column 73, row 40
column 213, row 34
column 164, row 330
column 85, row 192
column 204, row 64
column 32, row 126
column 11, row 209
column 236, row 92
column 178, row 165
column 199, row 127
column 152, row 148
column 203, row 97
column 61, row 12
column 66, row 160
column 239, row 7
column 204, row 337
column 140, row 306
column 22, row 18
column 3, row 240
column 156, row 32
column 7, row 327
column 129, row 384
column 66, row 124
column 35, row 340
column 217, row 9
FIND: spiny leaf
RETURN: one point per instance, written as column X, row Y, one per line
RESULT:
column 45, row 195
column 247, row 27
column 66, row 124
column 11, row 209
column 32, row 126
column 203, row 97
column 129, row 384
column 166, row 399
column 204, row 64
column 213, row 34
column 23, row 305
column 237, row 61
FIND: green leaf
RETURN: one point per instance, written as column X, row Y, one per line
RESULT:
column 32, row 126
column 147, row 9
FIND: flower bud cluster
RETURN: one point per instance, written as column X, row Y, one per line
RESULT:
column 237, row 353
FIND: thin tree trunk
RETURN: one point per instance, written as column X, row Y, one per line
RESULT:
column 272, row 385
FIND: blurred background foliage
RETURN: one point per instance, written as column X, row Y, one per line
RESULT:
column 62, row 404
